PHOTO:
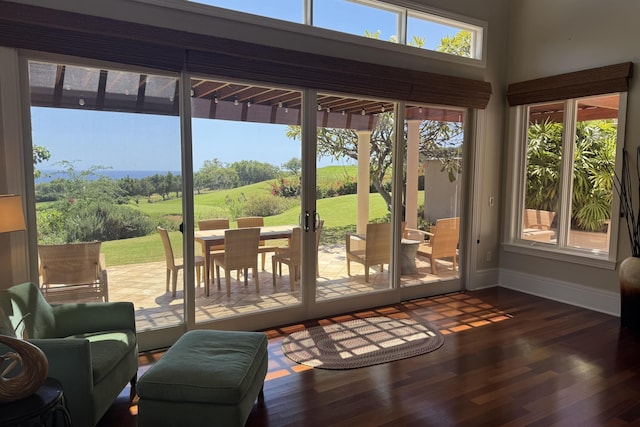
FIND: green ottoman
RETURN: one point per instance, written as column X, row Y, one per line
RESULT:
column 206, row 378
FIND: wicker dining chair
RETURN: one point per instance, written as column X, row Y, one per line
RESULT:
column 240, row 253
column 257, row 221
column 173, row 266
column 290, row 256
column 213, row 224
column 319, row 227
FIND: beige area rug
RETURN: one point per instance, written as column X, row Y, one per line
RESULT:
column 362, row 342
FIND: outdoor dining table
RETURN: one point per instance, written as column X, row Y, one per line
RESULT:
column 212, row 238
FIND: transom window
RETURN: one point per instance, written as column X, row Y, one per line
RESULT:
column 372, row 19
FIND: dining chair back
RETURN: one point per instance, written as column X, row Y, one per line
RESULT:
column 257, row 221
column 173, row 265
column 240, row 253
column 213, row 224
column 73, row 270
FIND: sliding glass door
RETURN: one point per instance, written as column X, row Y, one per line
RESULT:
column 355, row 139
column 432, row 182
column 246, row 173
column 106, row 147
column 111, row 156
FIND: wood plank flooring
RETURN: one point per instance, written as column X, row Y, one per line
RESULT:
column 509, row 359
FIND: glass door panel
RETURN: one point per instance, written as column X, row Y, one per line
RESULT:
column 247, row 165
column 353, row 190
column 432, row 195
column 106, row 148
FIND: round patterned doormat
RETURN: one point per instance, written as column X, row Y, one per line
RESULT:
column 362, row 342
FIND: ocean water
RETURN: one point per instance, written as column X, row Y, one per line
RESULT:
column 49, row 175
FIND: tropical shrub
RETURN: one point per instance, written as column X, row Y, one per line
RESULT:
column 594, row 156
column 101, row 221
column 266, row 205
column 286, row 187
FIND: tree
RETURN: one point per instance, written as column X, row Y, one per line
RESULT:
column 459, row 44
column 199, row 182
column 173, row 183
column 294, row 166
column 215, row 175
column 40, row 154
column 435, row 137
column 80, row 186
column 415, row 41
column 438, row 140
column 252, row 171
column 130, row 187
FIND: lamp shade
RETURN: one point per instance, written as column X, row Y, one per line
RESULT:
column 11, row 214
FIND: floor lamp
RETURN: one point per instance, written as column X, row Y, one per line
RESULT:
column 26, row 368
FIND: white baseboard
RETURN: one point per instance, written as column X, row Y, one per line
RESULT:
column 483, row 279
column 566, row 292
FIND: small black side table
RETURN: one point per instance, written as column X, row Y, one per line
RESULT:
column 45, row 407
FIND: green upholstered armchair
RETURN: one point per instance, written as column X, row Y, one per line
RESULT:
column 91, row 348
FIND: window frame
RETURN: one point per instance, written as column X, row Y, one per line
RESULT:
column 403, row 8
column 519, row 117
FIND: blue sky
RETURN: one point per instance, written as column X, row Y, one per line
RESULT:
column 122, row 141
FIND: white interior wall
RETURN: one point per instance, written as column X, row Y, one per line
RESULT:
column 547, row 37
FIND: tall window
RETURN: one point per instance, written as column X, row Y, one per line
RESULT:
column 567, row 187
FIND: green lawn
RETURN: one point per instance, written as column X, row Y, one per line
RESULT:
column 339, row 214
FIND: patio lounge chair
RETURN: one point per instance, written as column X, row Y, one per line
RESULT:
column 173, row 266
column 377, row 247
column 73, row 271
column 537, row 225
column 240, row 253
column 538, row 219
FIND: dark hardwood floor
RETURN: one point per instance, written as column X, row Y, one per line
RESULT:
column 509, row 359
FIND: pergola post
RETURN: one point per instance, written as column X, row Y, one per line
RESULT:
column 413, row 160
column 364, row 158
